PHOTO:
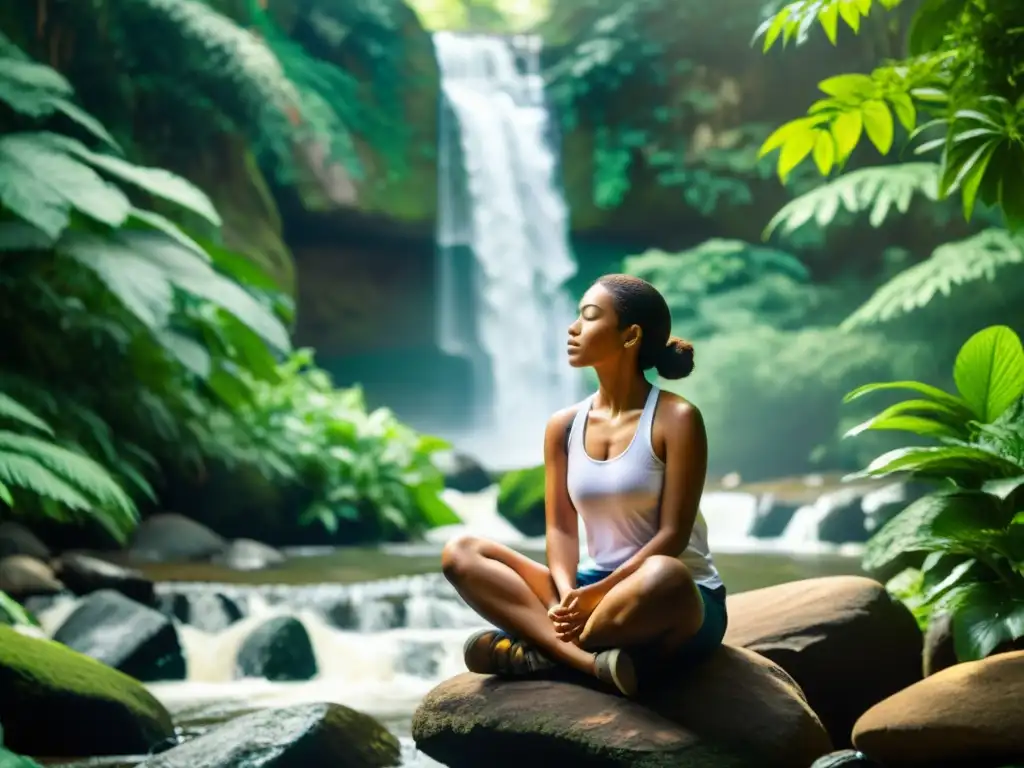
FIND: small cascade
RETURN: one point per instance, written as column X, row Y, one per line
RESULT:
column 503, row 248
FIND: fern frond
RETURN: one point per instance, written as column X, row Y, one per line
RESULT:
column 42, row 185
column 12, row 410
column 796, row 19
column 953, row 264
column 22, row 471
column 76, row 469
column 878, row 189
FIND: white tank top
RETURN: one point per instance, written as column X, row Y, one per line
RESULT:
column 619, row 499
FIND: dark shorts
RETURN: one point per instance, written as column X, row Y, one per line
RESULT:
column 711, row 632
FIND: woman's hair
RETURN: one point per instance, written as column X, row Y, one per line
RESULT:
column 637, row 302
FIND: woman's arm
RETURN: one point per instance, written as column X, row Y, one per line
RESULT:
column 562, row 527
column 686, row 463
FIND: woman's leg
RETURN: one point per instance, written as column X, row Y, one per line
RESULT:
column 512, row 592
column 658, row 605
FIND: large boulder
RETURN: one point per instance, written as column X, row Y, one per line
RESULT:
column 738, row 710
column 845, row 641
column 971, row 714
column 304, row 736
column 59, row 703
column 125, row 635
column 174, row 538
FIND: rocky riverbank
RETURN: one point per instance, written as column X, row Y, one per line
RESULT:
column 809, row 667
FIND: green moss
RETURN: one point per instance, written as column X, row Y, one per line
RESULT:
column 521, row 500
column 100, row 711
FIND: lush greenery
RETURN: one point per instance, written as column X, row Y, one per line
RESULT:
column 964, row 70
column 142, row 354
column 971, row 529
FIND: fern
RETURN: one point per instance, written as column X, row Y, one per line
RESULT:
column 953, row 264
column 57, row 474
column 877, row 189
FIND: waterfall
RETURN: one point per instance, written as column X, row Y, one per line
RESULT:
column 503, row 249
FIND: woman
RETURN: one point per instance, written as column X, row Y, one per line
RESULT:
column 631, row 460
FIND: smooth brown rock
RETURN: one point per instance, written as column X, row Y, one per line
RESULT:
column 736, row 711
column 22, row 577
column 971, row 714
column 845, row 641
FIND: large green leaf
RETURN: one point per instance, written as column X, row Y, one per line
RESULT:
column 12, row 613
column 953, row 404
column 12, row 410
column 989, row 372
column 962, row 462
column 158, row 182
column 987, row 615
column 43, row 185
column 960, row 522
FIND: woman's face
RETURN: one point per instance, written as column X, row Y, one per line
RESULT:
column 594, row 337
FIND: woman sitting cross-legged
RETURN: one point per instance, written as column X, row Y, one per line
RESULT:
column 631, row 461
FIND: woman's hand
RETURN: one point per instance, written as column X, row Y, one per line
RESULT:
column 571, row 615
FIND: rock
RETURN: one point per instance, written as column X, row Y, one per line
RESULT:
column 846, row 758
column 279, row 649
column 174, row 538
column 16, row 539
column 969, row 715
column 304, row 736
column 737, row 710
column 59, row 703
column 204, row 610
column 125, row 635
column 248, row 555
column 772, row 517
column 462, row 473
column 84, row 574
column 939, row 652
column 841, row 516
column 844, row 640
column 22, row 577
column 521, row 500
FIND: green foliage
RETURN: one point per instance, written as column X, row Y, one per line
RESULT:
column 972, row 528
column 13, row 614
column 723, row 285
column 521, row 500
column 964, row 71
column 359, row 468
column 613, row 56
column 878, row 190
column 142, row 353
column 979, row 257
column 757, row 385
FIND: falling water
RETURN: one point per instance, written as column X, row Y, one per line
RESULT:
column 503, row 249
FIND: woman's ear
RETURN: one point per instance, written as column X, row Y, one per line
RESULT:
column 633, row 335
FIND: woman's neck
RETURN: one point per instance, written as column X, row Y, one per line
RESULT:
column 620, row 390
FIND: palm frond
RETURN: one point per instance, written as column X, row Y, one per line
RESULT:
column 12, row 410
column 878, row 190
column 978, row 257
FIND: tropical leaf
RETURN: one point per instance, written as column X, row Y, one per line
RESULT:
column 43, row 185
column 987, row 615
column 964, row 462
column 989, row 372
column 19, row 471
column 11, row 612
column 954, row 406
column 12, row 410
column 879, row 190
column 979, row 257
column 157, row 182
column 795, row 20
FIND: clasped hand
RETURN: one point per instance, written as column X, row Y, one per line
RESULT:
column 570, row 616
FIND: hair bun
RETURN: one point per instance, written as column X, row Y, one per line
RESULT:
column 676, row 360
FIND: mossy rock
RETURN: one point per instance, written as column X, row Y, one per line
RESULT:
column 521, row 500
column 56, row 702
